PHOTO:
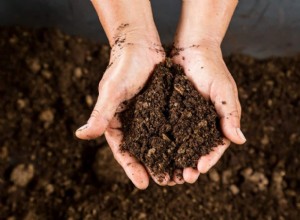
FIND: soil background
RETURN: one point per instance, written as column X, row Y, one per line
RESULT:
column 48, row 86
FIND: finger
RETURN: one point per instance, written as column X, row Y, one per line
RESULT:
column 135, row 171
column 190, row 175
column 103, row 112
column 160, row 179
column 171, row 183
column 229, row 109
column 177, row 177
column 207, row 161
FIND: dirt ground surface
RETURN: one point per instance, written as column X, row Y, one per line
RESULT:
column 48, row 85
column 168, row 125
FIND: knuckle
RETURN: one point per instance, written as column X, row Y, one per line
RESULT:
column 111, row 91
column 95, row 113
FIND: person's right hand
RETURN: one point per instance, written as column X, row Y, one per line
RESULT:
column 131, row 64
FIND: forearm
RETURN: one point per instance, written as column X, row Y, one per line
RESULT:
column 204, row 21
column 131, row 17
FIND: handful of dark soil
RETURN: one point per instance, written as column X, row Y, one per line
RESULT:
column 169, row 125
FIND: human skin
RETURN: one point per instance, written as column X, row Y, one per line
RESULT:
column 136, row 49
column 198, row 49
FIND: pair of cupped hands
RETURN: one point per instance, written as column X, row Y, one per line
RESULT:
column 132, row 61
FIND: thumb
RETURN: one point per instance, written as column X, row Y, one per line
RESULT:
column 102, row 114
column 229, row 109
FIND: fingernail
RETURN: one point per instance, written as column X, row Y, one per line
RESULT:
column 82, row 127
column 240, row 134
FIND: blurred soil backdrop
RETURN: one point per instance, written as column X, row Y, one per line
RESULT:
column 48, row 86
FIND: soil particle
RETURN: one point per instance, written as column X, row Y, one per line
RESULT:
column 31, row 215
column 46, row 74
column 278, row 182
column 214, row 175
column 3, row 153
column 226, row 176
column 21, row 103
column 234, row 189
column 22, row 174
column 89, row 100
column 78, row 72
column 34, row 65
column 49, row 188
column 171, row 125
column 257, row 178
column 122, row 26
column 47, row 116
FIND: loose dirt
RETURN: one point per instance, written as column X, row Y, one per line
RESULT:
column 169, row 125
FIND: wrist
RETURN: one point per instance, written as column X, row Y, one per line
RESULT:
column 208, row 49
column 135, row 34
column 204, row 21
column 127, row 19
column 204, row 41
column 205, row 46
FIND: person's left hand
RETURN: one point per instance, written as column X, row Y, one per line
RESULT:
column 205, row 68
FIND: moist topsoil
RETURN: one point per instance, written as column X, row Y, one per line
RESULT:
column 169, row 125
column 48, row 87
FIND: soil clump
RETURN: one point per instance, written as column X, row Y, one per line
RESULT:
column 169, row 125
